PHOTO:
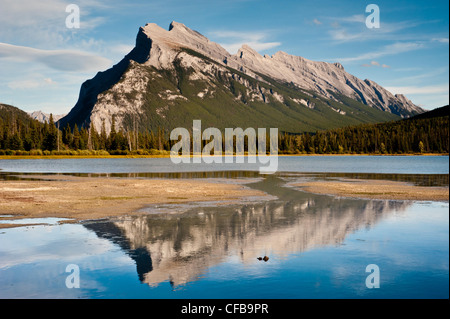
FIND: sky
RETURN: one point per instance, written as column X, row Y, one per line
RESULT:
column 43, row 62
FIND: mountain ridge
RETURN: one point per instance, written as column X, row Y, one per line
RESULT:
column 170, row 59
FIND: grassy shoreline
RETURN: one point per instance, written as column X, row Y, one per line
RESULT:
column 168, row 155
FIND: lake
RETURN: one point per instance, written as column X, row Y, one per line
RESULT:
column 335, row 164
column 319, row 246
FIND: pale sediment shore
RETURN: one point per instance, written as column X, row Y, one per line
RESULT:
column 375, row 189
column 82, row 198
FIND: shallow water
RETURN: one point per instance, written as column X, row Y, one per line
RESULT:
column 33, row 221
column 318, row 247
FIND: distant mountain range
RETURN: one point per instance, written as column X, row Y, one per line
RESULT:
column 45, row 117
column 8, row 112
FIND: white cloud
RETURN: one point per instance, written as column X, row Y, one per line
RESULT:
column 418, row 90
column 257, row 46
column 317, row 22
column 236, row 39
column 375, row 63
column 341, row 34
column 391, row 49
column 441, row 40
column 31, row 83
column 63, row 60
column 426, row 77
column 30, row 13
column 353, row 28
column 122, row 48
column 43, row 23
column 354, row 18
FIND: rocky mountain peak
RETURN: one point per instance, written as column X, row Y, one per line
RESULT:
column 321, row 77
column 167, row 43
column 44, row 117
column 338, row 65
column 160, row 55
column 248, row 51
column 178, row 25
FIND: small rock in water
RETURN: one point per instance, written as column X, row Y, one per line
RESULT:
column 265, row 258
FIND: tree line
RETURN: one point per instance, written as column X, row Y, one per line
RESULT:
column 19, row 137
column 399, row 137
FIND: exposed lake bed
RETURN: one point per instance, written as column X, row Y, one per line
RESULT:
column 83, row 198
column 76, row 198
column 377, row 189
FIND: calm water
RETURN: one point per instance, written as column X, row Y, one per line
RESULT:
column 348, row 164
column 318, row 245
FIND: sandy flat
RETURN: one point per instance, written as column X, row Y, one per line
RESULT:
column 83, row 198
column 376, row 189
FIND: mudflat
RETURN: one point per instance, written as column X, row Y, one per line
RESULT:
column 375, row 189
column 82, row 198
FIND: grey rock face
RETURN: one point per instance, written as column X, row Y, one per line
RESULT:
column 107, row 94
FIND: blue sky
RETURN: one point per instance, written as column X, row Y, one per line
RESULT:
column 43, row 63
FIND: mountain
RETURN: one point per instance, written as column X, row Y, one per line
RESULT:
column 438, row 112
column 44, row 117
column 9, row 114
column 174, row 76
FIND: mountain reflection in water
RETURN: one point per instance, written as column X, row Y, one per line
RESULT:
column 180, row 247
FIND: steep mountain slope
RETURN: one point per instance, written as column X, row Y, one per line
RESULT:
column 438, row 112
column 9, row 114
column 325, row 79
column 173, row 77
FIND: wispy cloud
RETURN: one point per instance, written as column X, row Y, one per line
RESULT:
column 31, row 83
column 233, row 40
column 63, row 60
column 418, row 90
column 391, row 49
column 441, row 40
column 353, row 28
column 359, row 32
column 122, row 48
column 374, row 64
column 42, row 23
column 424, row 77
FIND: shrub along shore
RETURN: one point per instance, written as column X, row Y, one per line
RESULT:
column 83, row 153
